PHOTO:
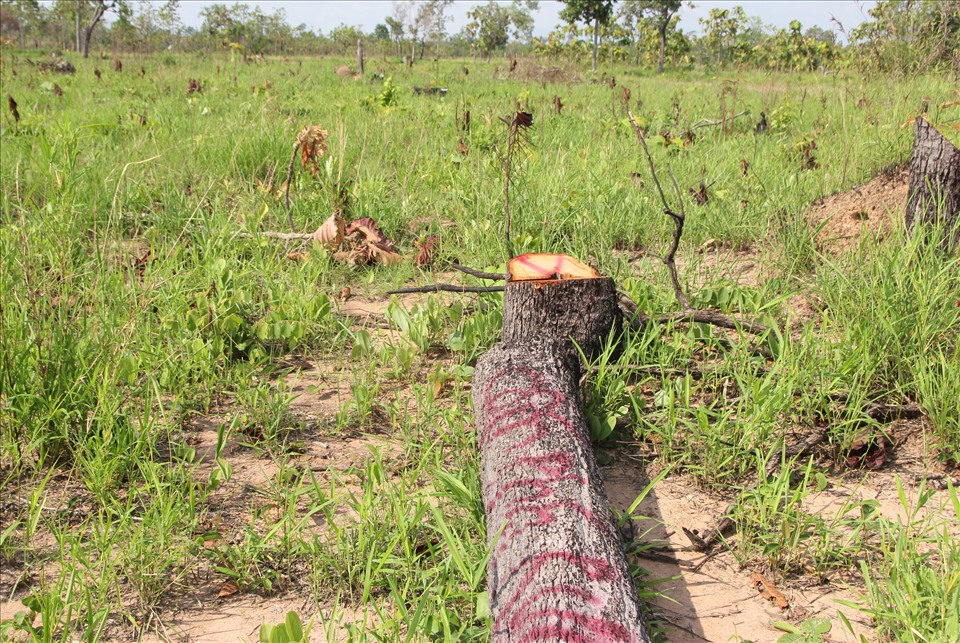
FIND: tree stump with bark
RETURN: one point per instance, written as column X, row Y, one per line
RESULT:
column 934, row 193
column 557, row 571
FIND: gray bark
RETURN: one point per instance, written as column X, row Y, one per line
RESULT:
column 934, row 193
column 557, row 571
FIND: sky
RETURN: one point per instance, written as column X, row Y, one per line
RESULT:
column 367, row 14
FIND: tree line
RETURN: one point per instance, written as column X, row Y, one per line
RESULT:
column 906, row 36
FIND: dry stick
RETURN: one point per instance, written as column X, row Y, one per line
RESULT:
column 286, row 196
column 670, row 259
column 703, row 122
column 493, row 276
column 283, row 236
column 511, row 137
column 688, row 314
column 445, row 288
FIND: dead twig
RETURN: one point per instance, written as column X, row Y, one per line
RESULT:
column 286, row 194
column 492, row 276
column 704, row 122
column 669, row 260
column 688, row 314
column 520, row 122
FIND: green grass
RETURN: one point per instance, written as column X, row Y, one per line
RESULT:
column 138, row 294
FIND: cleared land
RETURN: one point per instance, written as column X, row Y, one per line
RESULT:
column 205, row 427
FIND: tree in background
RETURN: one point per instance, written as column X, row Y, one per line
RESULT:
column 431, row 21
column 599, row 13
column 98, row 9
column 729, row 34
column 909, row 37
column 490, row 25
column 396, row 30
column 24, row 18
column 659, row 13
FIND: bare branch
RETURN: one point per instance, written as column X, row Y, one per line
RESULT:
column 286, row 196
column 703, row 122
column 492, row 276
column 670, row 259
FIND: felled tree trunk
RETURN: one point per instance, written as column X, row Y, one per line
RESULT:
column 934, row 194
column 557, row 571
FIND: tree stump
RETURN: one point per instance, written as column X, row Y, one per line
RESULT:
column 934, row 193
column 557, row 571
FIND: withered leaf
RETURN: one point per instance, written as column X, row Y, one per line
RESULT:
column 523, row 119
column 229, row 588
column 331, row 231
column 369, row 230
column 425, row 250
column 313, row 147
column 769, row 591
column 868, row 451
column 700, row 194
column 12, row 104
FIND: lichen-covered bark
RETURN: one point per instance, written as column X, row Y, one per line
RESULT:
column 934, row 194
column 557, row 571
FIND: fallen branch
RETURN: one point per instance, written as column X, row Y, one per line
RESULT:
column 492, row 276
column 283, row 236
column 638, row 320
column 703, row 122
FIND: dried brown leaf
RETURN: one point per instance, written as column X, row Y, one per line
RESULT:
column 313, row 147
column 868, row 451
column 331, row 231
column 769, row 591
column 12, row 104
column 382, row 255
column 229, row 588
column 425, row 250
column 368, row 230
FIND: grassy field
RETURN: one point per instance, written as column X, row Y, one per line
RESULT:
column 194, row 413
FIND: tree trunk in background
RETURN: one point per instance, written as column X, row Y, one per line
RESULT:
column 359, row 56
column 596, row 42
column 663, row 47
column 934, row 194
column 557, row 570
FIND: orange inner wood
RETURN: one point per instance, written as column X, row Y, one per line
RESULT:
column 539, row 266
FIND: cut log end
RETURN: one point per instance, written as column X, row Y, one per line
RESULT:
column 543, row 267
column 560, row 298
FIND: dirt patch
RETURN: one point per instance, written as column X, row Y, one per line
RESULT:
column 874, row 208
column 719, row 602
